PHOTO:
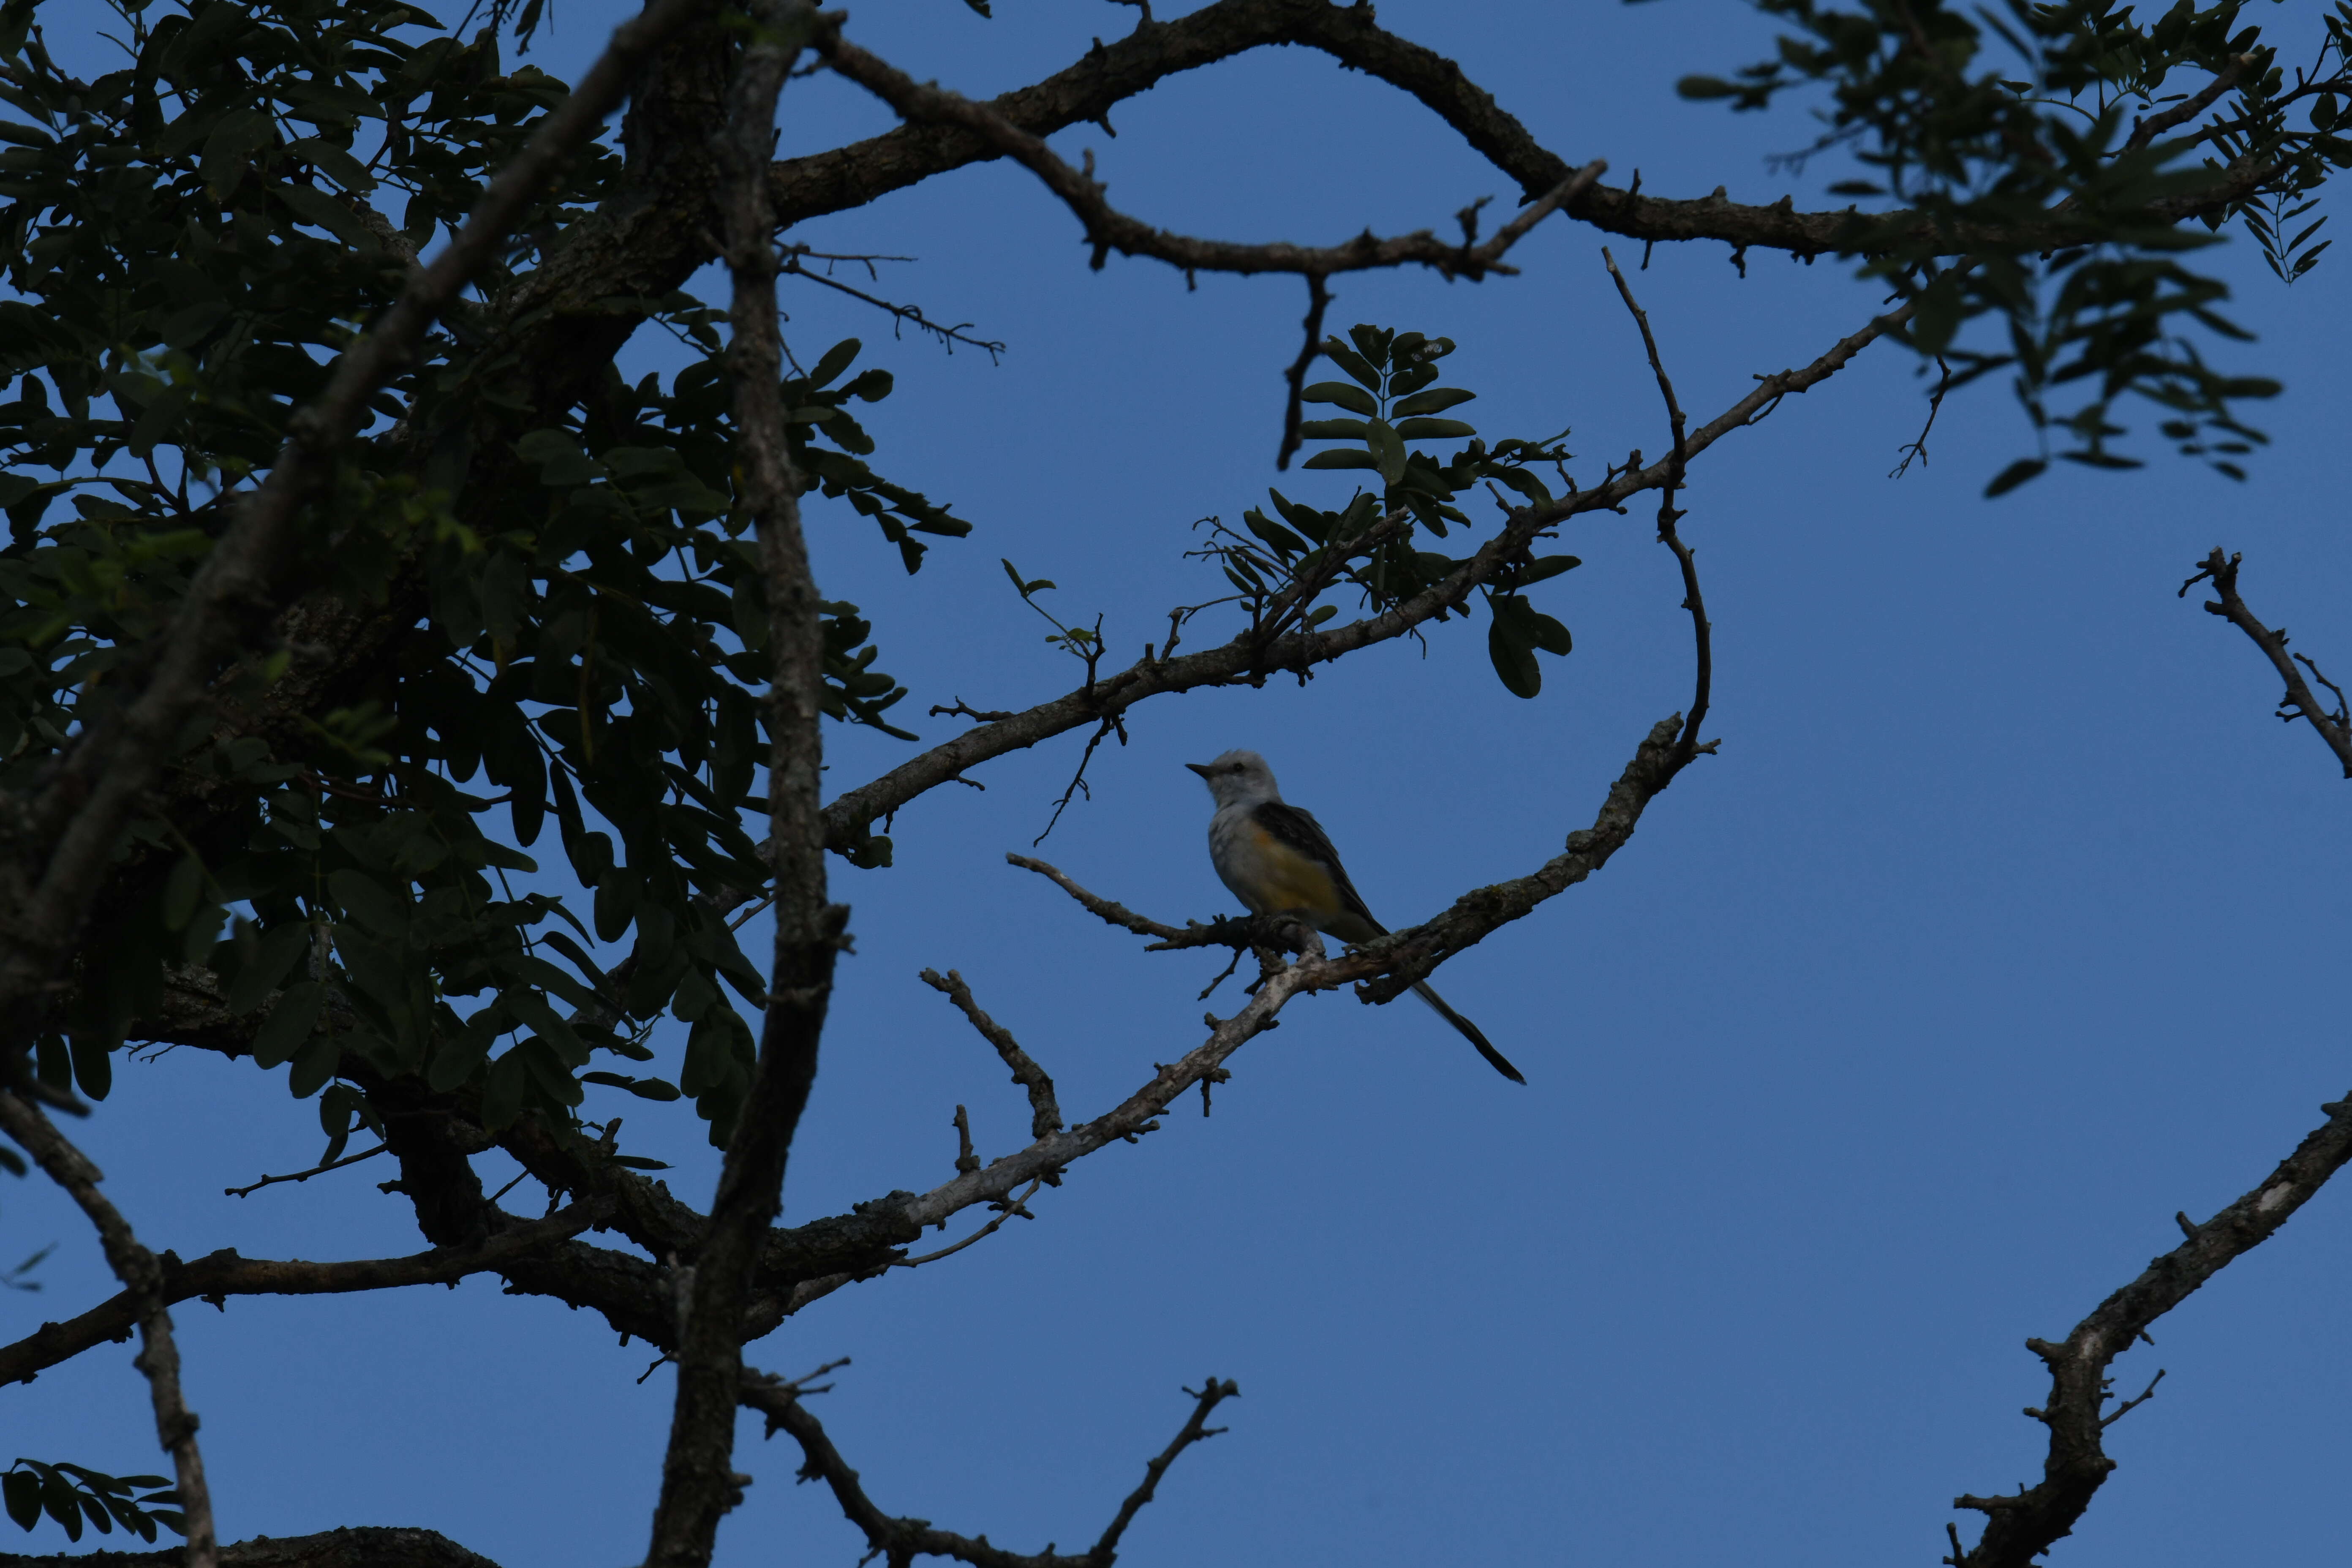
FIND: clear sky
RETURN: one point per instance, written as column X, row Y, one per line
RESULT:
column 2006, row 922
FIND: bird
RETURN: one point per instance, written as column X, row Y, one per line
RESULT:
column 1276, row 859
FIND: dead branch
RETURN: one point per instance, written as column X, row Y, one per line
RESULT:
column 1116, row 914
column 304, row 1175
column 899, row 1541
column 2020, row 1526
column 2333, row 727
column 1677, row 458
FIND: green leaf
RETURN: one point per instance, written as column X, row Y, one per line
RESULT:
column 1436, row 400
column 2016, row 474
column 22, row 1489
column 370, row 902
column 1548, row 566
column 1351, row 398
column 1551, row 635
column 181, row 889
column 1514, row 661
column 316, row 207
column 93, row 1066
column 288, row 1023
column 1342, row 458
column 1433, row 429
column 273, row 955
column 313, row 1065
column 836, row 359
column 502, row 1096
column 1331, row 430
column 235, row 139
column 1352, row 363
column 643, row 1087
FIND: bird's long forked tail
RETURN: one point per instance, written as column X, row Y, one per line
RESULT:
column 1494, row 1059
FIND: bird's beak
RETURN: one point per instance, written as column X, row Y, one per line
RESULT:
column 1199, row 768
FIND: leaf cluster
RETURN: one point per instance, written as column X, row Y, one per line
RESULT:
column 71, row 1493
column 579, row 609
column 2023, row 193
column 1390, row 402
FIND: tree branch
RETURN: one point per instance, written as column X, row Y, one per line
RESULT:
column 1045, row 1114
column 1109, row 229
column 849, row 816
column 1695, row 602
column 141, row 1275
column 2335, row 727
column 850, row 176
column 2020, row 1526
column 364, row 1547
column 900, row 1541
column 218, row 1275
column 698, row 1484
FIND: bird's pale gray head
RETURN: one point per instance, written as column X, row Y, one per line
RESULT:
column 1238, row 778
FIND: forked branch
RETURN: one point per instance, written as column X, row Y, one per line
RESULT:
column 2022, row 1525
column 1109, row 229
column 899, row 1541
column 2333, row 725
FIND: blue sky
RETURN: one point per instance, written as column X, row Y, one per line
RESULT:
column 2006, row 923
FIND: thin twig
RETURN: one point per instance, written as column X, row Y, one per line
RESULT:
column 305, row 1175
column 1116, row 914
column 910, row 315
column 1078, row 779
column 1918, row 448
column 1701, row 634
column 1318, row 299
column 1011, row 1206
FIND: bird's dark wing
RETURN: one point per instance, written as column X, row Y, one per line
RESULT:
column 1298, row 830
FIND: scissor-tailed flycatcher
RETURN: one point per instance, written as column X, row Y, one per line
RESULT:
column 1279, row 861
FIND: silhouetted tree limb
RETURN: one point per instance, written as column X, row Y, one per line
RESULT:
column 2332, row 725
column 898, row 1541
column 141, row 1275
column 221, row 1274
column 2020, row 1526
